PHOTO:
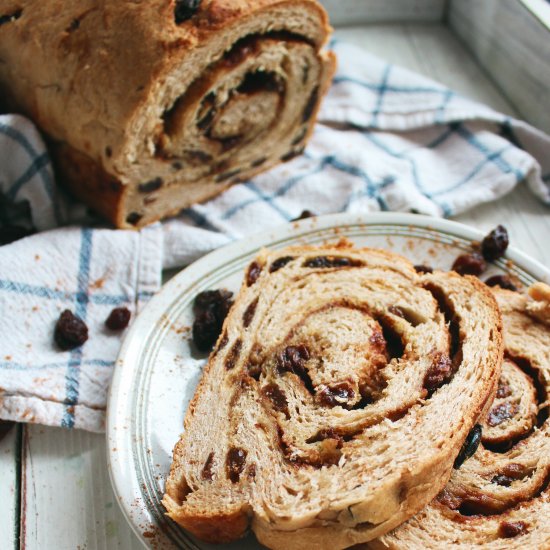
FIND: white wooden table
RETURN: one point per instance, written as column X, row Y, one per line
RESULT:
column 54, row 486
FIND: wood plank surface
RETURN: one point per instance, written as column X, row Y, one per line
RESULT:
column 10, row 448
column 68, row 501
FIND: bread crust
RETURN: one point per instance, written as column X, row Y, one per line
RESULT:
column 295, row 437
column 115, row 90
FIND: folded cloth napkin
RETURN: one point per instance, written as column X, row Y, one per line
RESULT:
column 387, row 139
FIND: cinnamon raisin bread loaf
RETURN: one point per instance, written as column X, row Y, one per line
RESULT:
column 339, row 394
column 152, row 106
column 499, row 499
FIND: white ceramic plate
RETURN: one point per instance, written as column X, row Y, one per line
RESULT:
column 157, row 370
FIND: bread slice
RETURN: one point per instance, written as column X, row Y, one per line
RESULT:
column 499, row 499
column 337, row 398
column 152, row 106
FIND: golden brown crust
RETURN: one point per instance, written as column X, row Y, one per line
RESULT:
column 110, row 83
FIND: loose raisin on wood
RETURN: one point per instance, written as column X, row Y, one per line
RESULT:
column 185, row 9
column 494, row 244
column 469, row 264
column 118, row 318
column 70, row 331
column 503, row 281
column 469, row 447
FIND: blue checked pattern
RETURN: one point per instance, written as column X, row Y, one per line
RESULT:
column 388, row 139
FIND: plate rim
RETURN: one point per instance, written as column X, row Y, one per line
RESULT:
column 118, row 465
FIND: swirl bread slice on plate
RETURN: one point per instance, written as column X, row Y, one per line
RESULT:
column 339, row 394
column 499, row 499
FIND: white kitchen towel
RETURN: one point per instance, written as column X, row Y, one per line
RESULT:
column 387, row 139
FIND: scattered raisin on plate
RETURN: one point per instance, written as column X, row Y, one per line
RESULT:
column 495, row 243
column 211, row 308
column 70, row 331
column 305, row 214
column 118, row 318
column 503, row 281
column 469, row 264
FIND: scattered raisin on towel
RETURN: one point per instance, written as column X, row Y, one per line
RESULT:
column 70, row 331
column 118, row 318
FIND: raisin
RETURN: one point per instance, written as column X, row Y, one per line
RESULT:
column 185, row 9
column 469, row 264
column 293, row 359
column 310, row 105
column 211, row 308
column 494, row 245
column 219, row 299
column 305, row 214
column 12, row 233
column 509, row 473
column 234, row 464
column 248, row 315
column 299, row 137
column 293, row 153
column 439, row 373
column 206, row 473
column 339, row 394
column 254, row 270
column 503, row 390
column 233, row 354
column 277, row 397
column 227, row 175
column 259, row 81
column 133, row 218
column 503, row 281
column 503, row 481
column 421, row 268
column 509, row 530
column 469, row 447
column 70, row 331
column 8, row 18
column 332, row 261
column 118, row 318
column 280, row 263
column 258, row 162
column 150, row 186
column 230, row 142
column 501, row 413
column 327, row 433
column 396, row 310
